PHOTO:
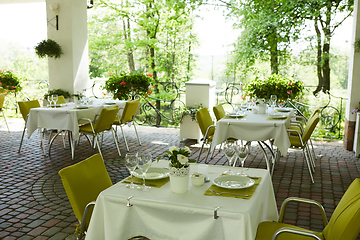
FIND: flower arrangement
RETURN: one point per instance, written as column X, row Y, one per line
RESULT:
column 188, row 111
column 283, row 87
column 178, row 157
column 59, row 92
column 126, row 85
column 48, row 48
column 9, row 82
column 356, row 109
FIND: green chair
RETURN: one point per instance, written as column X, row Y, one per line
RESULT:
column 2, row 100
column 127, row 117
column 61, row 100
column 219, row 112
column 343, row 224
column 207, row 128
column 300, row 140
column 103, row 123
column 25, row 107
column 83, row 182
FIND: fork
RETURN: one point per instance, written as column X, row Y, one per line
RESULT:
column 221, row 193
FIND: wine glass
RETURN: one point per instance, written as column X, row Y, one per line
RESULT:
column 243, row 152
column 273, row 99
column 49, row 99
column 144, row 163
column 55, row 99
column 230, row 152
column 131, row 162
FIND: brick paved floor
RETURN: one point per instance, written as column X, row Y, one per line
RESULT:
column 33, row 204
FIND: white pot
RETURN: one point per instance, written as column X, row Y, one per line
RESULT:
column 179, row 179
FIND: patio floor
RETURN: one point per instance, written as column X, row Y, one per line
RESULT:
column 33, row 203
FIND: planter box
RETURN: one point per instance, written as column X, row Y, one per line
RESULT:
column 189, row 129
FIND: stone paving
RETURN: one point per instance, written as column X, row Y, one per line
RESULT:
column 33, row 203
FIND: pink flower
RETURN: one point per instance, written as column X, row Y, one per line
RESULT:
column 0, row 83
column 3, row 76
column 242, row 97
column 355, row 110
column 14, row 86
column 289, row 92
column 149, row 74
column 149, row 92
column 123, row 83
column 110, row 73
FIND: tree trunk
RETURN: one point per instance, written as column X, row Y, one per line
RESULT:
column 129, row 52
column 274, row 56
column 319, row 58
column 326, row 51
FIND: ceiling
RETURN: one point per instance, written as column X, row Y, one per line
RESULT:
column 19, row 1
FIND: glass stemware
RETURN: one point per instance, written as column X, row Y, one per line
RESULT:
column 243, row 152
column 273, row 100
column 230, row 152
column 55, row 99
column 49, row 99
column 131, row 162
column 144, row 163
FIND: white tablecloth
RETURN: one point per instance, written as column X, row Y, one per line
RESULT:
column 254, row 127
column 160, row 214
column 65, row 117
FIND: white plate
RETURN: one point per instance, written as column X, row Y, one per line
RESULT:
column 153, row 173
column 282, row 110
column 233, row 182
column 82, row 107
column 277, row 115
column 242, row 114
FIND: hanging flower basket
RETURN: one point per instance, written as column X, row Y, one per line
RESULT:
column 48, row 48
column 9, row 83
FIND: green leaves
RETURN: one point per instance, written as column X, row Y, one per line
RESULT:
column 48, row 48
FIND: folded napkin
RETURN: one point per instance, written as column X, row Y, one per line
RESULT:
column 158, row 183
column 245, row 191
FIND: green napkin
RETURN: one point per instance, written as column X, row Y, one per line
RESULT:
column 275, row 119
column 158, row 183
column 245, row 191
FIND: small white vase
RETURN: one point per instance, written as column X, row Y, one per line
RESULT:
column 179, row 179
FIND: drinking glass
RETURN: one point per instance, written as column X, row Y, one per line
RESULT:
column 230, row 152
column 243, row 151
column 144, row 163
column 273, row 99
column 49, row 99
column 55, row 99
column 131, row 162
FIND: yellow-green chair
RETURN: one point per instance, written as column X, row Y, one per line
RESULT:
column 2, row 100
column 103, row 123
column 83, row 182
column 25, row 107
column 127, row 117
column 343, row 224
column 219, row 112
column 61, row 100
column 300, row 140
column 207, row 128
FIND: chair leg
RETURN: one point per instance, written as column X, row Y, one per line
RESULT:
column 308, row 164
column 202, row 147
column 116, row 141
column 122, row 131
column 98, row 146
column 207, row 155
column 22, row 137
column 5, row 121
column 137, row 135
column 311, row 159
column 42, row 142
column 312, row 149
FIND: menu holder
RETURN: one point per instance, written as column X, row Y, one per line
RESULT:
column 158, row 183
column 225, row 192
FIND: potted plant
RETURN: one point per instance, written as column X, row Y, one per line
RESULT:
column 59, row 92
column 178, row 168
column 357, row 45
column 125, row 86
column 283, row 87
column 9, row 82
column 48, row 48
column 188, row 111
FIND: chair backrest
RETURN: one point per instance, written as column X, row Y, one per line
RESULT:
column 25, row 107
column 84, row 181
column 344, row 222
column 129, row 111
column 204, row 120
column 219, row 112
column 310, row 127
column 61, row 100
column 106, row 119
column 2, row 100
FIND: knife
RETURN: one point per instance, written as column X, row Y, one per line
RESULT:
column 140, row 183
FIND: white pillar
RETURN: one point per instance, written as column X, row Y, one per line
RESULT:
column 71, row 71
column 353, row 95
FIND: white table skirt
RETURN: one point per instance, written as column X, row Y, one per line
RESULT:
column 254, row 127
column 64, row 118
column 160, row 214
